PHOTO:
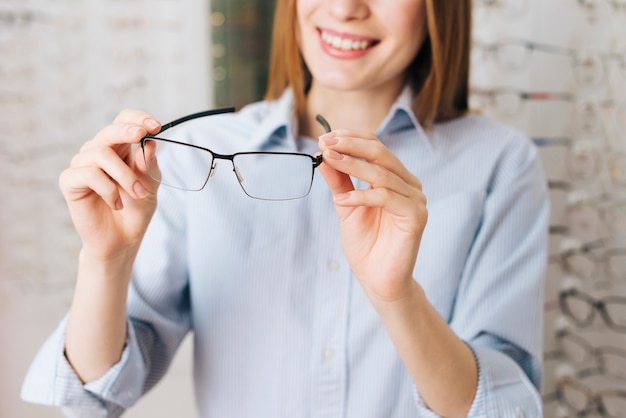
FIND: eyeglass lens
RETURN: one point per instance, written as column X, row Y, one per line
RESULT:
column 262, row 175
column 268, row 176
column 583, row 401
column 581, row 308
column 274, row 176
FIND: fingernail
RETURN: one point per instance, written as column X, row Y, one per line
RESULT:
column 139, row 190
column 151, row 123
column 329, row 138
column 333, row 154
column 118, row 204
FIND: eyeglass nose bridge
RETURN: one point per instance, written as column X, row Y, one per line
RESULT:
column 237, row 173
column 230, row 158
column 213, row 167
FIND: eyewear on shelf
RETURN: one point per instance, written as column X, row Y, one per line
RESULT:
column 508, row 8
column 588, row 67
column 22, row 18
column 603, row 214
column 586, row 159
column 261, row 175
column 603, row 360
column 591, row 117
column 579, row 399
column 591, row 5
column 583, row 158
column 581, row 308
column 509, row 101
column 135, row 23
column 580, row 260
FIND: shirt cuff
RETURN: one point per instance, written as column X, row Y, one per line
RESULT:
column 51, row 380
column 503, row 389
column 507, row 390
column 123, row 383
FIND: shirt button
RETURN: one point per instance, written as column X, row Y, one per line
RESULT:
column 333, row 265
column 329, row 353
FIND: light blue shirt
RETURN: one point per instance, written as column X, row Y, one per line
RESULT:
column 281, row 326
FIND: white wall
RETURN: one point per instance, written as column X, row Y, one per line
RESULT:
column 66, row 68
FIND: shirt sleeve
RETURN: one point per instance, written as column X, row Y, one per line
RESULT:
column 498, row 310
column 158, row 319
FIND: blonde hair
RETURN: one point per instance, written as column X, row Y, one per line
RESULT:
column 439, row 74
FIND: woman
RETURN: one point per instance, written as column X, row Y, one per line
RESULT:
column 363, row 302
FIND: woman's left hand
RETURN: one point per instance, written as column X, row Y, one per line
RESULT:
column 382, row 226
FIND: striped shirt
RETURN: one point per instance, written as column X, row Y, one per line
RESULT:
column 281, row 327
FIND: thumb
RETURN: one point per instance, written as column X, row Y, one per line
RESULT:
column 339, row 184
column 146, row 166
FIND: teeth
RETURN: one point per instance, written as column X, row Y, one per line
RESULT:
column 344, row 44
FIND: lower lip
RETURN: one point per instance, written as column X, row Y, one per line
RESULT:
column 344, row 54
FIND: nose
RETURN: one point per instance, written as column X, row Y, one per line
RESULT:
column 349, row 9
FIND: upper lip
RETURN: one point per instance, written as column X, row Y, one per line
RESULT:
column 346, row 35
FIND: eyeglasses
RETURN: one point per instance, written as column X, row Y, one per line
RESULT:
column 583, row 158
column 579, row 399
column 581, row 309
column 606, row 360
column 591, row 117
column 602, row 11
column 588, row 67
column 616, row 5
column 261, row 175
column 508, row 101
column 578, row 259
column 599, row 215
column 586, row 160
column 508, row 8
column 601, row 116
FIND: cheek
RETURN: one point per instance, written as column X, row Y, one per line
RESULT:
column 408, row 21
column 303, row 35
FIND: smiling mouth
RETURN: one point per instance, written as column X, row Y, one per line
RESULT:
column 346, row 44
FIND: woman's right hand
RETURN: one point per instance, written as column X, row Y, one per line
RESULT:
column 110, row 196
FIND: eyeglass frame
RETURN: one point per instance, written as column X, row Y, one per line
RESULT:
column 595, row 399
column 597, row 354
column 595, row 305
column 607, row 209
column 315, row 159
column 488, row 98
column 576, row 57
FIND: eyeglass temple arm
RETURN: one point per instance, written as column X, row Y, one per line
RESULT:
column 195, row 116
column 320, row 119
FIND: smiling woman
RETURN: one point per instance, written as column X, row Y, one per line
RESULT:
column 406, row 281
column 443, row 57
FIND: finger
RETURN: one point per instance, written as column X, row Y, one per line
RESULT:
column 77, row 183
column 376, row 175
column 116, row 134
column 110, row 163
column 337, row 181
column 366, row 146
column 394, row 203
column 138, row 117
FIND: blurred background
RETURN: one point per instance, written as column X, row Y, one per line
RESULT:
column 554, row 69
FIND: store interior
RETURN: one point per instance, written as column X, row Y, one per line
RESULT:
column 555, row 70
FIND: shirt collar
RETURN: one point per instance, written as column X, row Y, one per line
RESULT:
column 401, row 117
column 280, row 122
